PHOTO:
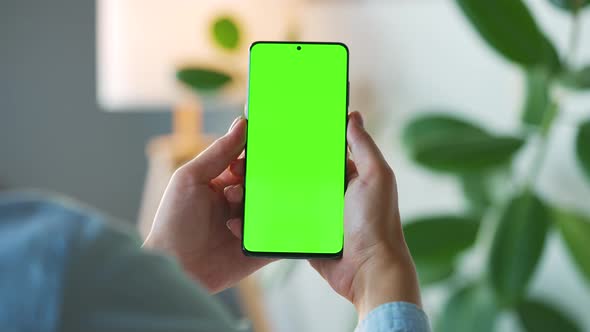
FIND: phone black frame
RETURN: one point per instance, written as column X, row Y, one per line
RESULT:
column 297, row 255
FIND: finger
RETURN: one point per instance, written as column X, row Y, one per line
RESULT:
column 238, row 167
column 226, row 178
column 216, row 158
column 234, row 123
column 235, row 226
column 351, row 171
column 365, row 152
column 234, row 194
column 235, row 199
column 229, row 177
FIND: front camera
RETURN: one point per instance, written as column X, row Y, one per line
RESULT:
column 299, row 48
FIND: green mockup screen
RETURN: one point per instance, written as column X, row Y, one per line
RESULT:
column 296, row 148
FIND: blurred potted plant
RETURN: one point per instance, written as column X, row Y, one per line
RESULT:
column 225, row 34
column 479, row 160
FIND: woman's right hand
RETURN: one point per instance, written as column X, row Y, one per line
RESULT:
column 376, row 266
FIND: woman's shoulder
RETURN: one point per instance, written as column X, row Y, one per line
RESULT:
column 41, row 235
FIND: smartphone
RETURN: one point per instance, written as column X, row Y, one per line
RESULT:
column 296, row 150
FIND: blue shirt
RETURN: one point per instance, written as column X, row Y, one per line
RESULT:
column 63, row 268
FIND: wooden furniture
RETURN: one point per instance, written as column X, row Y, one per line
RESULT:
column 166, row 153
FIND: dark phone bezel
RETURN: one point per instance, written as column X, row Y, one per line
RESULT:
column 296, row 255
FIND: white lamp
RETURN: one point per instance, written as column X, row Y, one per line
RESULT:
column 141, row 44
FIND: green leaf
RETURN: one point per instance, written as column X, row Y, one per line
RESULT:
column 509, row 28
column 537, row 316
column 202, row 79
column 477, row 191
column 431, row 272
column 537, row 96
column 583, row 147
column 435, row 242
column 575, row 231
column 577, row 79
column 443, row 143
column 226, row 33
column 517, row 246
column 470, row 309
column 570, row 5
column 423, row 235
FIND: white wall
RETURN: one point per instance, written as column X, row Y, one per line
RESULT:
column 52, row 134
column 410, row 56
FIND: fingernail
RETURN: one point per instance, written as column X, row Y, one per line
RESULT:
column 239, row 192
column 234, row 123
column 230, row 222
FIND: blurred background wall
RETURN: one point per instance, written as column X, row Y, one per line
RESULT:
column 406, row 57
column 53, row 135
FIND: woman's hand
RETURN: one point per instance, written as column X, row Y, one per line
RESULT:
column 201, row 208
column 376, row 266
column 204, row 199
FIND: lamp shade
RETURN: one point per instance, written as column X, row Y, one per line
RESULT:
column 142, row 43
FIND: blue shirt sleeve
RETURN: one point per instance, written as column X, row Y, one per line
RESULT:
column 64, row 268
column 395, row 317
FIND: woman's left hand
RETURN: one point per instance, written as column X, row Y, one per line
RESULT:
column 201, row 208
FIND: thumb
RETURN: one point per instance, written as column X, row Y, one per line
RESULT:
column 365, row 153
column 217, row 157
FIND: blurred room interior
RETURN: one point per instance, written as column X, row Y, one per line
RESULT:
column 99, row 102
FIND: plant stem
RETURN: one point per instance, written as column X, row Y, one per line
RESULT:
column 547, row 122
column 541, row 152
column 554, row 104
column 574, row 38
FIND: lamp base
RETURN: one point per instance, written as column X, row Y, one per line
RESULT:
column 187, row 139
column 168, row 152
